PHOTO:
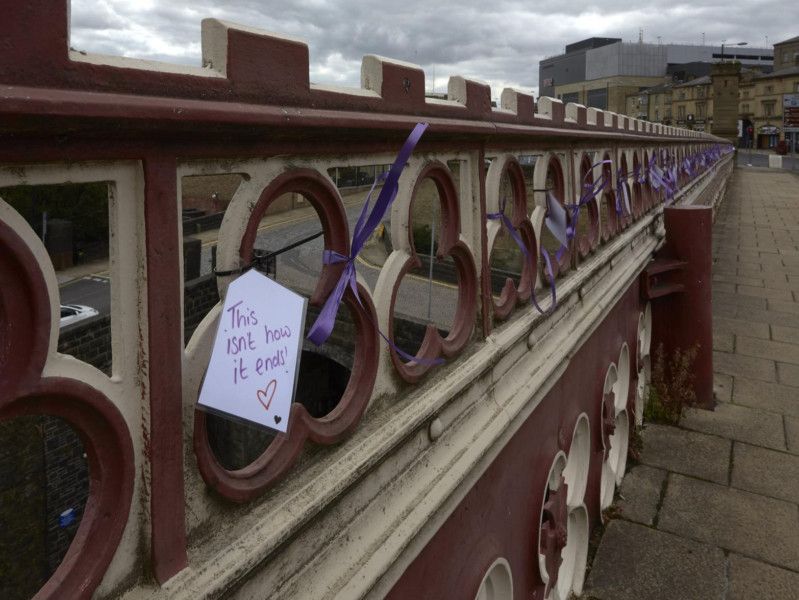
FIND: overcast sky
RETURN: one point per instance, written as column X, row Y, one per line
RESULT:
column 497, row 41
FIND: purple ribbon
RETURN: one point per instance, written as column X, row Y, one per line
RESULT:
column 639, row 175
column 514, row 233
column 590, row 191
column 622, row 193
column 557, row 223
column 556, row 220
column 364, row 227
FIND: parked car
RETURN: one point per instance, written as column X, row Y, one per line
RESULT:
column 72, row 313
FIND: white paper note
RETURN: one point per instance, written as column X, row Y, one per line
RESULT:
column 255, row 361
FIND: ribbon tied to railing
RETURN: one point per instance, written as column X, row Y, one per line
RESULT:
column 622, row 194
column 556, row 219
column 364, row 227
column 514, row 234
column 559, row 225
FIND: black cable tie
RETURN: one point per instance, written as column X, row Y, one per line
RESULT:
column 260, row 258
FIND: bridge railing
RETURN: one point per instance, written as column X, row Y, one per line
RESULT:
column 160, row 498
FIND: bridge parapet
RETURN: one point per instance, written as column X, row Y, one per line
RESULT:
column 345, row 502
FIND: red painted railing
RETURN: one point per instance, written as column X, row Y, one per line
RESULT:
column 68, row 117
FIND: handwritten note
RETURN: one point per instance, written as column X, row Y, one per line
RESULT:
column 256, row 355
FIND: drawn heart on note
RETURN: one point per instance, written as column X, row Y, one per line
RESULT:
column 265, row 395
column 277, row 419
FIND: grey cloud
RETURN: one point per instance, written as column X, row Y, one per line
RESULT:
column 500, row 42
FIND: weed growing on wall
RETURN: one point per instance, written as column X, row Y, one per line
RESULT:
column 672, row 385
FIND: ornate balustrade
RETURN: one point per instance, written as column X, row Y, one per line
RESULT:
column 347, row 501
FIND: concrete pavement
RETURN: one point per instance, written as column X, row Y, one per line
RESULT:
column 712, row 510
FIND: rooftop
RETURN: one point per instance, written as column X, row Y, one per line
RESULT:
column 698, row 81
column 789, row 41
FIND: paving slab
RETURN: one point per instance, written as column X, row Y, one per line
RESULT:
column 687, row 452
column 722, row 387
column 723, row 342
column 640, row 494
column 788, row 374
column 792, row 434
column 721, row 297
column 780, row 351
column 634, row 562
column 740, row 327
column 722, row 286
column 780, row 282
column 765, row 472
column 737, row 422
column 748, row 366
column 737, row 279
column 753, row 579
column 757, row 315
column 781, row 333
column 765, row 292
column 747, row 523
column 782, row 306
column 774, row 397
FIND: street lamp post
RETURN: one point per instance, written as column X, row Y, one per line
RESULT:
column 736, row 44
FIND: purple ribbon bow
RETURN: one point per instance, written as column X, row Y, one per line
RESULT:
column 364, row 227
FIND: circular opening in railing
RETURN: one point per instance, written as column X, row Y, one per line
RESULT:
column 510, row 236
column 622, row 386
column 497, row 583
column 573, row 556
column 646, row 187
column 578, row 462
column 555, row 186
column 637, row 188
column 44, row 485
column 428, row 293
column 433, row 302
column 284, row 235
column 587, row 233
column 624, row 191
column 608, row 219
column 642, row 389
column 553, row 525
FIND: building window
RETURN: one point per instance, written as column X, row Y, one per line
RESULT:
column 768, row 108
column 769, row 89
column 680, row 113
column 700, row 110
column 745, row 108
column 682, row 95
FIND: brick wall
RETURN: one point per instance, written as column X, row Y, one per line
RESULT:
column 43, row 470
column 200, row 295
column 89, row 341
column 23, row 562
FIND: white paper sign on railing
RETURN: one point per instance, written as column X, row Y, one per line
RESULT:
column 256, row 355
